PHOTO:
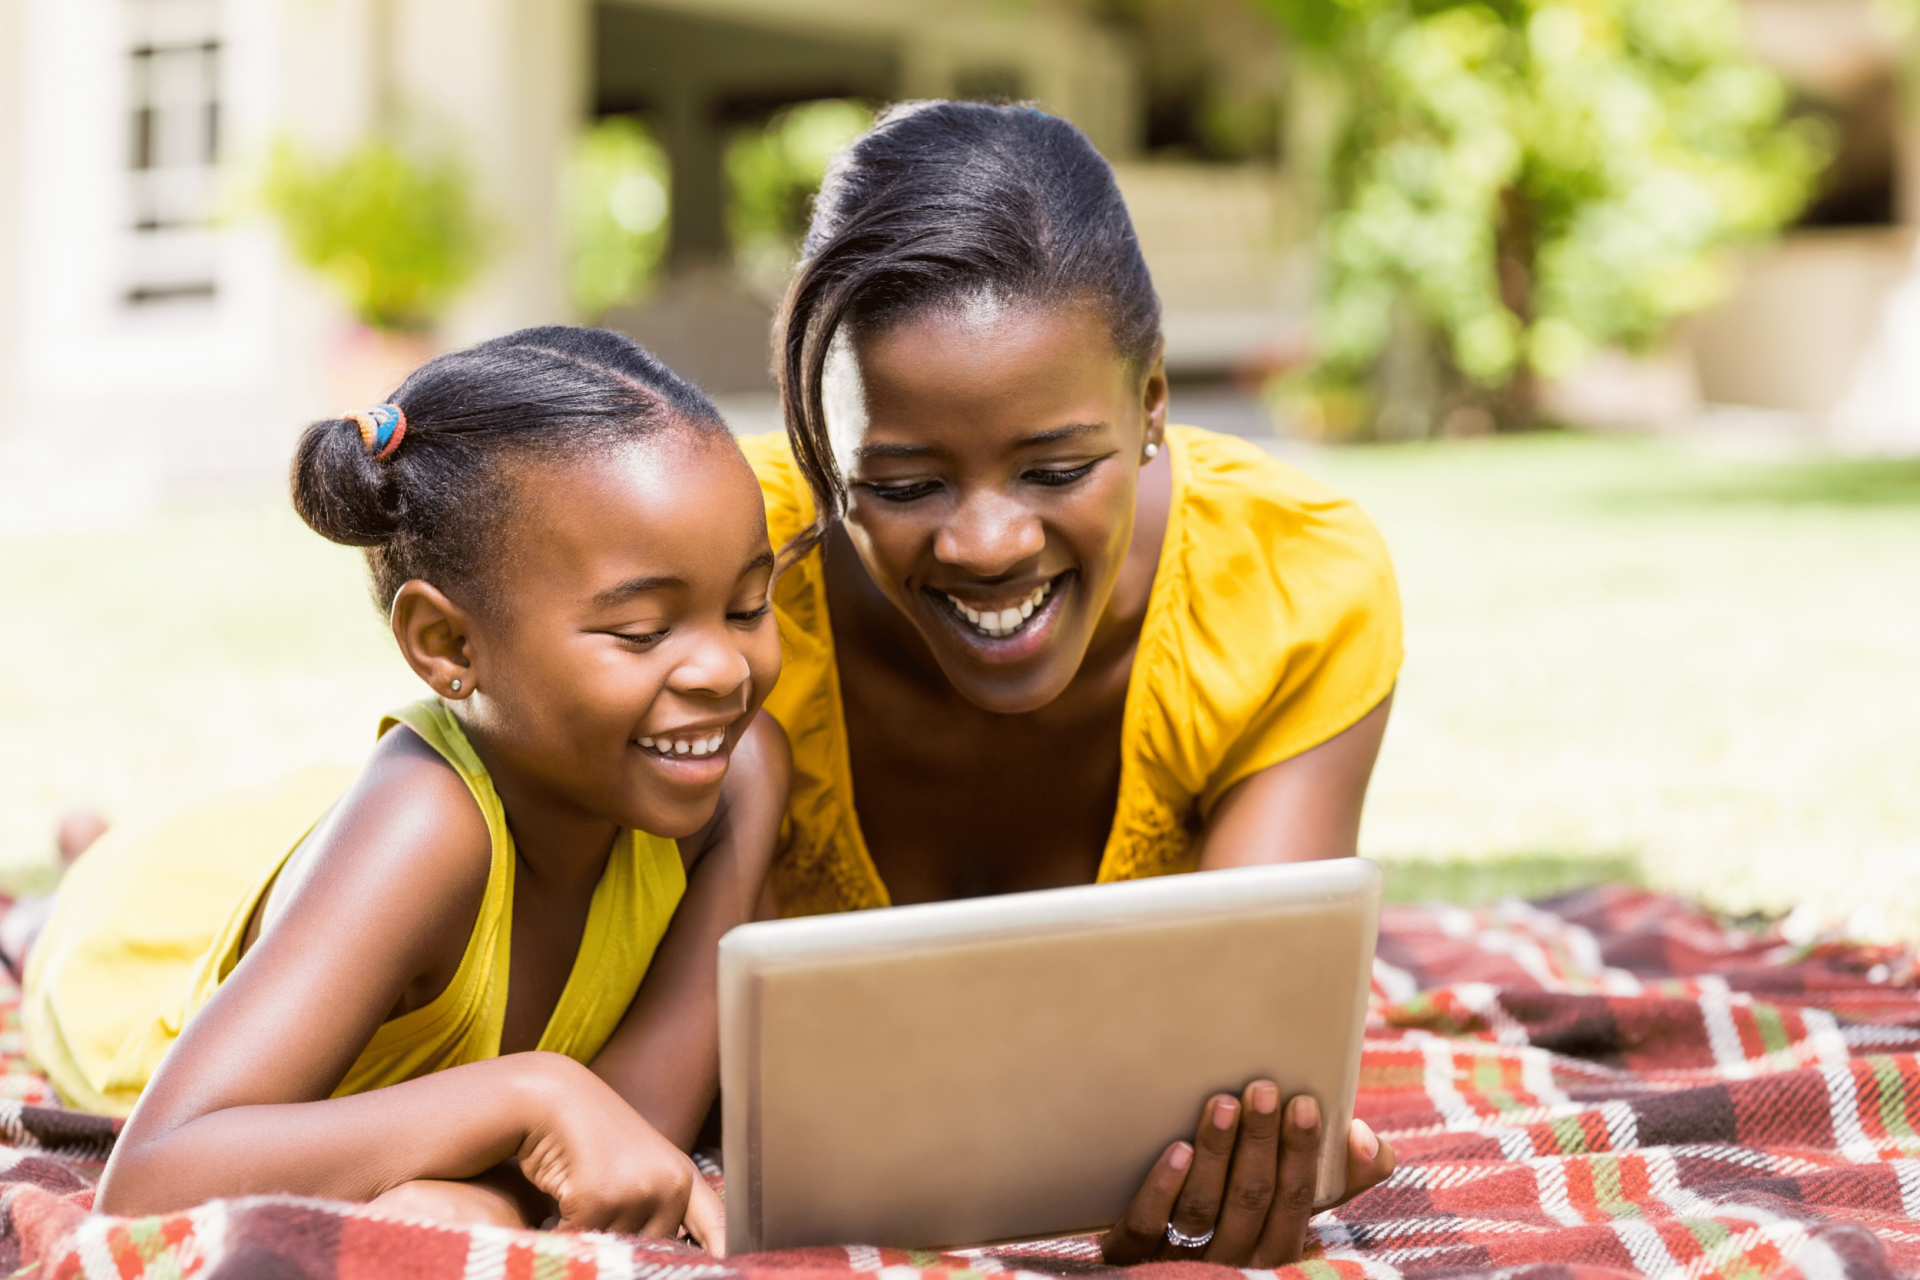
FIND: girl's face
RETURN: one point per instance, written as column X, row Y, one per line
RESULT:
column 993, row 455
column 635, row 640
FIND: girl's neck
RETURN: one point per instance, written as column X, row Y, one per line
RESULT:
column 556, row 843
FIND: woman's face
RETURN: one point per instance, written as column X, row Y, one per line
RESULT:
column 993, row 455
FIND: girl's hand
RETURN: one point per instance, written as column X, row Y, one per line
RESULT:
column 607, row 1169
column 1246, row 1185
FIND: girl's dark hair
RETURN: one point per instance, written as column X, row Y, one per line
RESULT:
column 436, row 507
column 939, row 201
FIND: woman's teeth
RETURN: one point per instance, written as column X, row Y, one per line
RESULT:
column 1005, row 622
column 685, row 746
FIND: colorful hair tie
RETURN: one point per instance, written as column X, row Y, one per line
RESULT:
column 381, row 429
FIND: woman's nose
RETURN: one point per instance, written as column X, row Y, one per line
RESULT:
column 989, row 534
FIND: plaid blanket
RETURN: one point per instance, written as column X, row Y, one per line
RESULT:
column 1605, row 1084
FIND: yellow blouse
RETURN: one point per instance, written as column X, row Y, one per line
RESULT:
column 1273, row 624
column 149, row 923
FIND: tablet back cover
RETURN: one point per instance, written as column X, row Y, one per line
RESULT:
column 1010, row 1068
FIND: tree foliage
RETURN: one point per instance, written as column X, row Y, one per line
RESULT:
column 395, row 232
column 616, row 210
column 1535, row 179
column 772, row 175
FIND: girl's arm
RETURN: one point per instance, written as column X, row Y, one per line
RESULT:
column 376, row 923
column 1300, row 809
column 664, row 1058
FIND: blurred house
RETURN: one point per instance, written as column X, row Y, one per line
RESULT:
column 153, row 331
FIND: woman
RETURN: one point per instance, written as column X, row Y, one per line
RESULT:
column 1041, row 636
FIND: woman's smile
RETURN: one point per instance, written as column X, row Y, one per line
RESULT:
column 1000, row 626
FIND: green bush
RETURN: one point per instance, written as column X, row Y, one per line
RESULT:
column 616, row 211
column 773, row 173
column 396, row 233
column 1531, row 180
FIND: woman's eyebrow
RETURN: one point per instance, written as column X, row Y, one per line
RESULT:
column 1062, row 433
column 632, row 587
column 868, row 452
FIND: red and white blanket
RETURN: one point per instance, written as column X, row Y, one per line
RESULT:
column 1606, row 1084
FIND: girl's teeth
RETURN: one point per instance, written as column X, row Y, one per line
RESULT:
column 688, row 747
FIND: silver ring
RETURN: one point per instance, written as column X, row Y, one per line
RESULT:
column 1181, row 1240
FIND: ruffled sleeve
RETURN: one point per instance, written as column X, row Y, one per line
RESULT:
column 1275, row 626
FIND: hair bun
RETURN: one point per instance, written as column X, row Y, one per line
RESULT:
column 342, row 493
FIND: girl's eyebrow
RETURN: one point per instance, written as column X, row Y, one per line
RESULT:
column 625, row 591
column 635, row 587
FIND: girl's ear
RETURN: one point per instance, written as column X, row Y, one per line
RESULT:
column 1154, row 394
column 435, row 637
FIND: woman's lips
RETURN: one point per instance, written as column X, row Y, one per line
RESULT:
column 1009, row 634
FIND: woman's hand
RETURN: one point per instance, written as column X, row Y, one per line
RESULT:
column 607, row 1169
column 1245, row 1186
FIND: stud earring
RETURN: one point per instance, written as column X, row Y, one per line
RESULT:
column 1152, row 450
column 456, row 686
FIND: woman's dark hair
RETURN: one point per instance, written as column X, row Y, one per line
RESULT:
column 436, row 507
column 938, row 202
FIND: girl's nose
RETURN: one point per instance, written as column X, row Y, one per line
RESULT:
column 989, row 534
column 713, row 668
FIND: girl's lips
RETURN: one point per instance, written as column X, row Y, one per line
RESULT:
column 1033, row 634
column 689, row 770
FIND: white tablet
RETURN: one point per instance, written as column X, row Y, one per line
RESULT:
column 1009, row 1068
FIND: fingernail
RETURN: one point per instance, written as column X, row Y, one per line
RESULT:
column 1224, row 1113
column 1306, row 1112
column 1181, row 1156
column 1266, row 1098
column 1364, row 1140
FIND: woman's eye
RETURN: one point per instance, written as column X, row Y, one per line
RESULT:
column 903, row 492
column 750, row 615
column 1050, row 476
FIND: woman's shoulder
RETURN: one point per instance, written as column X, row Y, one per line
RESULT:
column 1254, row 530
column 789, row 500
column 1280, row 620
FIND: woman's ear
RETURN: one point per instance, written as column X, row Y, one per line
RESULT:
column 436, row 638
column 1153, row 395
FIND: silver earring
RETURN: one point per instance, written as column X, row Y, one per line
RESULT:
column 1152, row 449
column 456, row 686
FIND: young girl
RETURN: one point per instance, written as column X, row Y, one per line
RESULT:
column 427, row 992
column 1037, row 635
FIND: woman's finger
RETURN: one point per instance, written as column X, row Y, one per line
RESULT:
column 707, row 1219
column 1197, row 1210
column 1252, row 1177
column 1286, row 1230
column 1370, row 1160
column 1139, row 1235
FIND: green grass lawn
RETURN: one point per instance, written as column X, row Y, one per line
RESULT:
column 1624, row 658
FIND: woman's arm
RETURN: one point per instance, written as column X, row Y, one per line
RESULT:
column 664, row 1058
column 1246, row 1182
column 376, row 924
column 1303, row 808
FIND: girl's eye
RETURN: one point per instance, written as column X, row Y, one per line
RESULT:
column 751, row 615
column 646, row 641
column 1048, row 476
column 903, row 492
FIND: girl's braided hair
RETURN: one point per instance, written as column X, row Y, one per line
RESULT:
column 436, row 505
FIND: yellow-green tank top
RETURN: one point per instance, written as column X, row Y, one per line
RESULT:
column 149, row 922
